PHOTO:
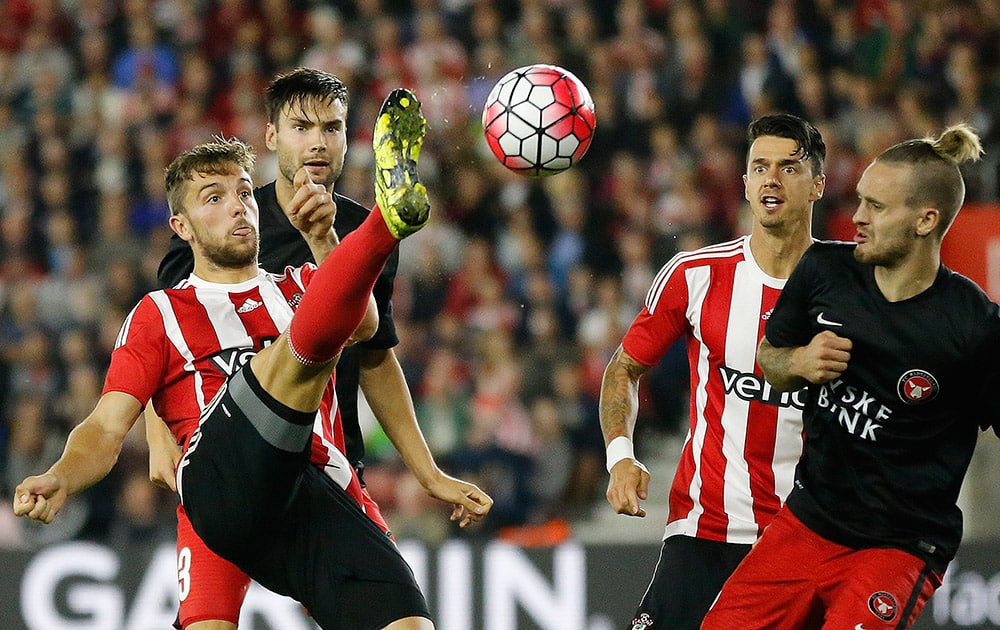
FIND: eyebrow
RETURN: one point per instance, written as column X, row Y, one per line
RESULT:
column 783, row 162
column 298, row 120
column 212, row 185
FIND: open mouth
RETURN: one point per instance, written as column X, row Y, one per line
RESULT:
column 770, row 201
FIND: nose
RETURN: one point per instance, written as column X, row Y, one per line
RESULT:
column 860, row 216
column 319, row 142
column 771, row 178
column 239, row 205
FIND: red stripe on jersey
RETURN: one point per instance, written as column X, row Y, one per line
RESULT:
column 763, row 436
column 712, row 320
column 257, row 321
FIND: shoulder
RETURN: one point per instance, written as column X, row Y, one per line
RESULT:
column 729, row 252
column 266, row 196
column 350, row 214
column 828, row 255
column 832, row 249
column 960, row 290
column 148, row 312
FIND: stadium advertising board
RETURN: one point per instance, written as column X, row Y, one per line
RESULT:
column 494, row 586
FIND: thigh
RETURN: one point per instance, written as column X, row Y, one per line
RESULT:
column 774, row 587
column 240, row 468
column 209, row 587
column 331, row 557
column 878, row 588
column 686, row 580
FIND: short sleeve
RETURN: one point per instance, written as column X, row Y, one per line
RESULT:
column 988, row 358
column 139, row 359
column 663, row 318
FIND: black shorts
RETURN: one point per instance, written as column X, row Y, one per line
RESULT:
column 257, row 501
column 687, row 579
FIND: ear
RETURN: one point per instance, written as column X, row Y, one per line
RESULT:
column 746, row 193
column 179, row 224
column 927, row 221
column 818, row 187
column 270, row 137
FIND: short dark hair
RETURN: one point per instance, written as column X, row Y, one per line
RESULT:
column 935, row 179
column 299, row 86
column 807, row 138
column 221, row 155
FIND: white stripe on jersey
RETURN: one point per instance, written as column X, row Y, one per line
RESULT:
column 123, row 331
column 741, row 351
column 277, row 306
column 698, row 281
column 173, row 331
column 226, row 322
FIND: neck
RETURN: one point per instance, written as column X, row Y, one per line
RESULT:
column 912, row 276
column 777, row 252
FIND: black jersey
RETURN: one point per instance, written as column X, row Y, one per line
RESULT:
column 888, row 443
column 282, row 245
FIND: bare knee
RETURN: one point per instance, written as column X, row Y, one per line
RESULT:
column 411, row 623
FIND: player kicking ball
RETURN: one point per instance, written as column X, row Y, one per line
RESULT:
column 245, row 480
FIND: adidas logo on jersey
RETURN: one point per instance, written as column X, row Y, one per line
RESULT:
column 248, row 305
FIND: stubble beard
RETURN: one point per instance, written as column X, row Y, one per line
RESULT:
column 889, row 256
column 231, row 256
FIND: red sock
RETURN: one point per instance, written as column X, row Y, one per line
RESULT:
column 337, row 297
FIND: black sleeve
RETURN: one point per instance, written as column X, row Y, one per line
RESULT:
column 385, row 337
column 350, row 215
column 177, row 263
column 988, row 358
column 789, row 323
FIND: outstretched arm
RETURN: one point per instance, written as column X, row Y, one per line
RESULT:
column 629, row 481
column 385, row 388
column 822, row 360
column 91, row 451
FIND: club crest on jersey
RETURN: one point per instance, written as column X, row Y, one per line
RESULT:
column 883, row 605
column 917, row 386
column 642, row 622
column 295, row 299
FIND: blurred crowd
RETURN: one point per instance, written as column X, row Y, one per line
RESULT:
column 511, row 302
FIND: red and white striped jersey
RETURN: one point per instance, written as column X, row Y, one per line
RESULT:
column 744, row 439
column 178, row 346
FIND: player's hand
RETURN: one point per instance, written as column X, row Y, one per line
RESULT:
column 628, row 485
column 824, row 359
column 39, row 498
column 312, row 209
column 163, row 462
column 470, row 503
column 164, row 453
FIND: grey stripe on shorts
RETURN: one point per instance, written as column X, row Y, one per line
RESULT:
column 276, row 431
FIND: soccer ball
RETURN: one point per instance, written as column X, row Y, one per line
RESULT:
column 539, row 120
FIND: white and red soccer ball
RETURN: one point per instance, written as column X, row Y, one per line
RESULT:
column 539, row 120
